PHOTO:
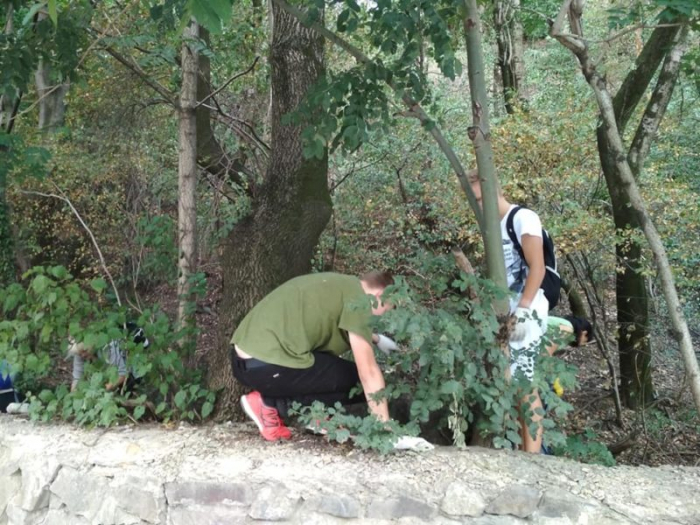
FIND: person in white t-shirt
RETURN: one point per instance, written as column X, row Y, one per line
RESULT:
column 529, row 306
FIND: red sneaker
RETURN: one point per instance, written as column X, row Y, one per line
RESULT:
column 267, row 418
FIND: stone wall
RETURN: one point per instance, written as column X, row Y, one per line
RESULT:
column 226, row 474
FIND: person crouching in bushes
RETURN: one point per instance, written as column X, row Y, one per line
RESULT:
column 568, row 330
column 112, row 354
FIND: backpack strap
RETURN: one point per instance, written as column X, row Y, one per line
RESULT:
column 511, row 231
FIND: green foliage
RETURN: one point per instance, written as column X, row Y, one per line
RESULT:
column 534, row 14
column 367, row 433
column 18, row 162
column 452, row 365
column 56, row 41
column 156, row 236
column 586, row 448
column 210, row 14
column 348, row 105
column 47, row 308
column 646, row 11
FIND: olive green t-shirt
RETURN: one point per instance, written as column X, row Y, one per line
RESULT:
column 307, row 313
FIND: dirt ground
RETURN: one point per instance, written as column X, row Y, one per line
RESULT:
column 666, row 433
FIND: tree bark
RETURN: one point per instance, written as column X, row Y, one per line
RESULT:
column 8, row 110
column 210, row 154
column 634, row 345
column 187, row 179
column 509, row 40
column 627, row 186
column 480, row 135
column 52, row 106
column 291, row 208
column 575, row 300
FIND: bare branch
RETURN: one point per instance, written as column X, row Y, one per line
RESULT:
column 561, row 16
column 234, row 77
column 135, row 68
column 631, row 29
column 242, row 128
column 65, row 199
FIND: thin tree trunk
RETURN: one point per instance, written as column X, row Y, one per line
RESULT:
column 292, row 206
column 627, row 184
column 634, row 345
column 210, row 153
column 480, row 135
column 187, row 179
column 52, row 107
column 575, row 300
column 509, row 40
column 8, row 110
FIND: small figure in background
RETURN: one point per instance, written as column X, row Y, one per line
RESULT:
column 112, row 354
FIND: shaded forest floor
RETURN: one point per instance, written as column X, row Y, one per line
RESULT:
column 667, row 433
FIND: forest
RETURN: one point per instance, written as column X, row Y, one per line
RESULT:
column 168, row 163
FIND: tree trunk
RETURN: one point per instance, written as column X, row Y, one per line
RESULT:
column 630, row 286
column 634, row 345
column 8, row 110
column 290, row 210
column 187, row 179
column 210, row 153
column 578, row 309
column 480, row 135
column 52, row 106
column 626, row 183
column 509, row 39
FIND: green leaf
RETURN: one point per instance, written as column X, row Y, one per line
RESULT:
column 98, row 284
column 451, row 387
column 342, row 435
column 40, row 283
column 210, row 14
column 139, row 411
column 53, row 12
column 32, row 12
column 59, row 272
column 207, row 408
column 180, row 399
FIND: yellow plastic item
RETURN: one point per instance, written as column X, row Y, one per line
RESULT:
column 558, row 389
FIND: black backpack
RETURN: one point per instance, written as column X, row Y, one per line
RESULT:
column 551, row 284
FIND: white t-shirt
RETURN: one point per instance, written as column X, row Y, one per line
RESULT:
column 525, row 222
column 112, row 354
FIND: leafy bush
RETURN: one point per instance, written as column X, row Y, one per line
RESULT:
column 341, row 427
column 47, row 308
column 586, row 448
column 451, row 365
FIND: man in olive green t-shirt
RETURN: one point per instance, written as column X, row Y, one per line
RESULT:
column 289, row 345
